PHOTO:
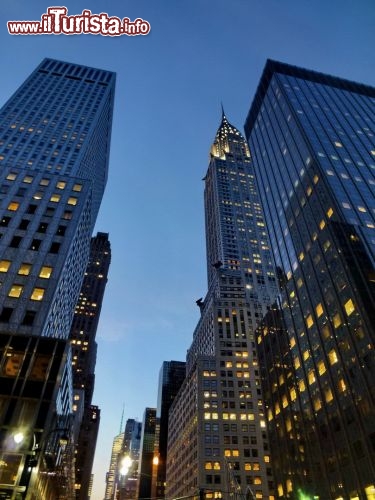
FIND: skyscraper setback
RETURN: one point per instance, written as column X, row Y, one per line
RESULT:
column 312, row 137
column 54, row 149
column 217, row 439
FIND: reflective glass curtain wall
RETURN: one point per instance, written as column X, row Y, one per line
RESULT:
column 312, row 137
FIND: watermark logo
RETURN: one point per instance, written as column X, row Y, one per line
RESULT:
column 57, row 22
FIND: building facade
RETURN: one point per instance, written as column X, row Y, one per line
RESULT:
column 113, row 471
column 84, row 348
column 171, row 377
column 312, row 137
column 146, row 454
column 54, row 150
column 128, row 477
column 217, row 441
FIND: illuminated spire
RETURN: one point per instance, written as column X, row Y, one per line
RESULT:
column 122, row 417
column 226, row 139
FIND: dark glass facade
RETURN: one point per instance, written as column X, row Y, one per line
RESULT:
column 146, row 454
column 312, row 137
column 171, row 376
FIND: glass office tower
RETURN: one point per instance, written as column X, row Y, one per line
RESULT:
column 312, row 137
column 217, row 441
column 54, row 150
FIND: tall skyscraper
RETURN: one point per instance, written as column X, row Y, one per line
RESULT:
column 217, row 439
column 112, row 474
column 146, row 454
column 313, row 142
column 129, row 461
column 171, row 376
column 84, row 348
column 54, row 149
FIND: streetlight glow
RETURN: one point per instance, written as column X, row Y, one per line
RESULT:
column 125, row 465
column 18, row 437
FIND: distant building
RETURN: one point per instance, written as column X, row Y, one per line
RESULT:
column 146, row 454
column 128, row 479
column 217, row 441
column 84, row 348
column 172, row 374
column 312, row 140
column 54, row 149
column 112, row 474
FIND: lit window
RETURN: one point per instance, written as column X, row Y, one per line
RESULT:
column 4, row 265
column 297, row 363
column 326, row 333
column 24, row 269
column 306, row 355
column 338, row 144
column 11, row 177
column 317, row 404
column 329, row 212
column 309, row 321
column 311, row 377
column 321, row 367
column 45, row 272
column 61, row 185
column 28, row 179
column 319, row 310
column 315, row 179
column 332, row 356
column 208, row 465
column 341, row 385
column 322, row 224
column 301, row 385
column 13, row 206
column 349, row 307
column 77, row 187
column 362, row 209
column 15, row 291
column 337, row 320
column 346, row 205
column 37, row 294
column 72, row 201
column 293, row 394
column 44, row 182
column 328, row 395
column 55, row 198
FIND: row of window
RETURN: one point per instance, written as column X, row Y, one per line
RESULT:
column 28, row 179
column 25, row 268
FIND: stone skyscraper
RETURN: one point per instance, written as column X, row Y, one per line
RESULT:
column 84, row 348
column 312, row 137
column 54, row 150
column 217, row 438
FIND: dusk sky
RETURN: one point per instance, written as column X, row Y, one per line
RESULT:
column 170, row 84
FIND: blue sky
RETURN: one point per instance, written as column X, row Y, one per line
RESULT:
column 170, row 84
